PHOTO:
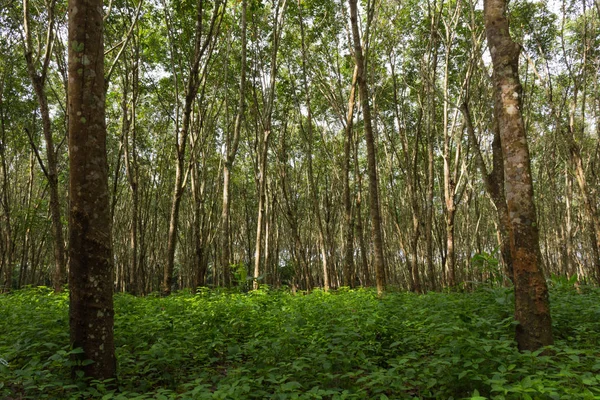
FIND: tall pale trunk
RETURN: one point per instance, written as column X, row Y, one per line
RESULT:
column 494, row 184
column 230, row 153
column 50, row 169
column 348, row 217
column 532, row 308
column 264, row 136
column 374, row 208
column 260, row 219
column 313, row 189
column 364, row 261
column 129, row 134
column 202, row 45
column 7, row 233
column 567, row 251
column 433, row 15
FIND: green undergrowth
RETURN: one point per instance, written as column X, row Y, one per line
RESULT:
column 271, row 344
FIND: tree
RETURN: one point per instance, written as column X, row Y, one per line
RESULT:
column 263, row 138
column 532, row 309
column 91, row 313
column 374, row 208
column 38, row 80
column 231, row 148
column 203, row 39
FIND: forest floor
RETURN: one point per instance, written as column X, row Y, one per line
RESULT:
column 348, row 344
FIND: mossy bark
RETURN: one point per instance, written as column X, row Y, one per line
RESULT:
column 532, row 310
column 91, row 313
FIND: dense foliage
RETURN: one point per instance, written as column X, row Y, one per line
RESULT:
column 272, row 344
column 425, row 59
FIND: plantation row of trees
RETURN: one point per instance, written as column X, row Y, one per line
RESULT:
column 236, row 142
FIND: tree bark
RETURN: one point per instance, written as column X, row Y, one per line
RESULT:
column 202, row 40
column 7, row 233
column 532, row 309
column 374, row 208
column 230, row 153
column 314, row 196
column 90, row 264
column 494, row 184
column 349, row 274
column 264, row 137
column 38, row 80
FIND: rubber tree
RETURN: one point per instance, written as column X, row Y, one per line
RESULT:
column 374, row 207
column 38, row 74
column 203, row 38
column 91, row 314
column 532, row 308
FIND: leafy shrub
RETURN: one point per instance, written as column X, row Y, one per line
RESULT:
column 271, row 344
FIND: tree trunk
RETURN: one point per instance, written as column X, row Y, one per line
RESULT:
column 348, row 217
column 230, row 153
column 434, row 16
column 264, row 136
column 494, row 184
column 260, row 219
column 90, row 263
column 38, row 80
column 132, row 171
column 532, row 309
column 7, row 234
column 374, row 208
column 202, row 41
column 314, row 196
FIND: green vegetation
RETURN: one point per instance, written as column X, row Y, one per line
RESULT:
column 343, row 345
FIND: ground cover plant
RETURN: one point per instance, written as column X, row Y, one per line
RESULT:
column 271, row 344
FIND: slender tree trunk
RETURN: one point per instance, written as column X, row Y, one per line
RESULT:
column 364, row 260
column 202, row 41
column 198, row 194
column 567, row 251
column 532, row 309
column 132, row 170
column 494, row 184
column 430, row 128
column 90, row 263
column 589, row 202
column 313, row 189
column 263, row 139
column 231, row 150
column 348, row 216
column 292, row 218
column 7, row 234
column 38, row 80
column 374, row 208
column 260, row 219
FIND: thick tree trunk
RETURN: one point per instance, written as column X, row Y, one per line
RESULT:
column 532, row 309
column 90, row 263
column 374, row 209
